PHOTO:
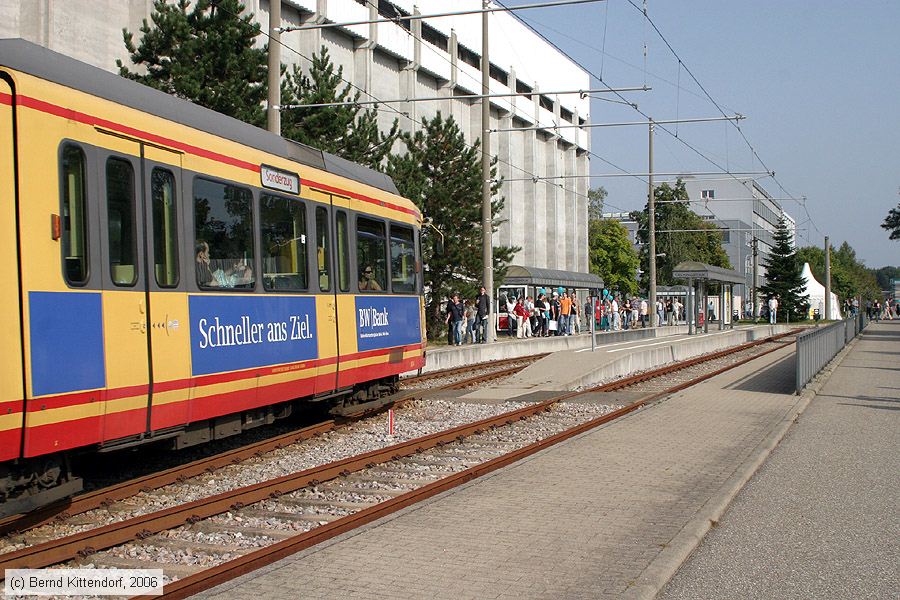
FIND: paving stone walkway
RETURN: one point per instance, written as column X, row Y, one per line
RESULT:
column 609, row 514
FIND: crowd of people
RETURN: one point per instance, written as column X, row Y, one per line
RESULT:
column 558, row 312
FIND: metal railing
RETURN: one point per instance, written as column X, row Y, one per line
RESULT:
column 816, row 347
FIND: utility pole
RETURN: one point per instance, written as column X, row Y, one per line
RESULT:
column 487, row 220
column 827, row 314
column 753, row 306
column 273, row 116
column 652, row 217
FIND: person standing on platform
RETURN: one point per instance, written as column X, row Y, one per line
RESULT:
column 529, row 308
column 510, row 315
column 645, row 311
column 482, row 309
column 470, row 322
column 660, row 309
column 555, row 314
column 773, row 308
column 455, row 318
column 565, row 310
column 614, row 314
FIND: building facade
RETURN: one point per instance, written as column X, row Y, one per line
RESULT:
column 403, row 60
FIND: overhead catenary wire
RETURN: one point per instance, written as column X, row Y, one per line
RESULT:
column 753, row 151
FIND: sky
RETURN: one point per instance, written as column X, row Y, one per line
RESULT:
column 819, row 83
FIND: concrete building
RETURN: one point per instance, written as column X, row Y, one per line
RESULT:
column 403, row 60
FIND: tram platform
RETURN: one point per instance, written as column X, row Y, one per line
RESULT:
column 614, row 512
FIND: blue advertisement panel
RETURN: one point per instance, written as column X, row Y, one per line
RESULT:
column 229, row 333
column 66, row 342
column 387, row 321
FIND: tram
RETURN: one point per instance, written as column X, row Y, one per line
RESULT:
column 174, row 275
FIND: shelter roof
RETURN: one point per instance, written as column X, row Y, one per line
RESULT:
column 519, row 275
column 691, row 269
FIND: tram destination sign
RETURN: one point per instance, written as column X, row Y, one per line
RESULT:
column 277, row 179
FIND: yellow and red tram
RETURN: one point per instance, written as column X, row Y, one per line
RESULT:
column 170, row 273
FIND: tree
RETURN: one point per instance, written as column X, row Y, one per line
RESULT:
column 205, row 55
column 892, row 222
column 596, row 196
column 346, row 131
column 849, row 276
column 681, row 235
column 443, row 176
column 884, row 276
column 783, row 276
column 612, row 256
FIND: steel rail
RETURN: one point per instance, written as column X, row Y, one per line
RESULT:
column 88, row 542
column 257, row 559
column 105, row 496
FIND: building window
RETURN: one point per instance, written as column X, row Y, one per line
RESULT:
column 223, row 231
column 370, row 255
column 74, row 216
column 435, row 37
column 523, row 88
column 707, row 194
column 282, row 223
column 468, row 57
column 165, row 227
column 498, row 74
column 546, row 103
column 403, row 260
column 726, row 236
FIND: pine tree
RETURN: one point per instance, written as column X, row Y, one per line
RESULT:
column 442, row 175
column 346, row 131
column 783, row 276
column 681, row 235
column 205, row 55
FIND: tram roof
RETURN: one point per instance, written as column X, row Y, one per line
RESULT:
column 519, row 275
column 41, row 62
column 691, row 269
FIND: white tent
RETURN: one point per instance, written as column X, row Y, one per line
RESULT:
column 816, row 292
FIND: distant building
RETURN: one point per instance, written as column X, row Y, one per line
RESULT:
column 743, row 210
column 428, row 58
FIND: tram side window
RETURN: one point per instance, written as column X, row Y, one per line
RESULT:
column 343, row 251
column 283, row 227
column 403, row 260
column 370, row 255
column 120, row 222
column 223, row 232
column 322, row 249
column 165, row 229
column 74, row 216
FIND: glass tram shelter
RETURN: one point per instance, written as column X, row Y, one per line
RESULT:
column 528, row 281
column 704, row 276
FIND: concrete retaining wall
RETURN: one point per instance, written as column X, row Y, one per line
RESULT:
column 643, row 359
column 449, row 357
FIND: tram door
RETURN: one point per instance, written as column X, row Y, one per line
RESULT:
column 164, row 189
column 12, row 396
column 325, row 290
column 124, row 285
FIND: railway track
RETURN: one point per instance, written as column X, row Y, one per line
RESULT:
column 238, row 531
column 457, row 378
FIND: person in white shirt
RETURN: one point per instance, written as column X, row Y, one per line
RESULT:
column 773, row 308
column 616, row 319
